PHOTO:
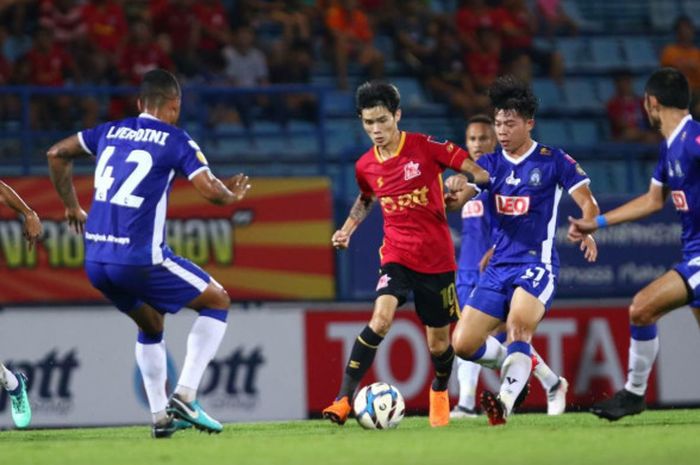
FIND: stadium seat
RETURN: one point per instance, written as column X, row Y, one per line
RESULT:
column 584, row 132
column 552, row 132
column 639, row 53
column 548, row 93
column 580, row 96
column 339, row 103
column 691, row 8
column 605, row 89
column 412, row 94
column 662, row 14
column 576, row 53
column 605, row 53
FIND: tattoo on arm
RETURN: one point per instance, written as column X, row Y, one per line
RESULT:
column 361, row 208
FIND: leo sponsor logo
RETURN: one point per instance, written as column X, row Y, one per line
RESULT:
column 679, row 201
column 418, row 197
column 512, row 206
column 472, row 209
column 411, row 170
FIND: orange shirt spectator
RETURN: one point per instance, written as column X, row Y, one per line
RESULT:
column 106, row 24
column 353, row 23
column 684, row 55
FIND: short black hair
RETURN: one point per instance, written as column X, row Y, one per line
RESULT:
column 480, row 118
column 670, row 87
column 509, row 93
column 377, row 94
column 157, row 86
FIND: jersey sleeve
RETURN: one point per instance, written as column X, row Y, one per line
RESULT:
column 90, row 138
column 660, row 176
column 692, row 147
column 447, row 154
column 362, row 183
column 191, row 159
column 571, row 175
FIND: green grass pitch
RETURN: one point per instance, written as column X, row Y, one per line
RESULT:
column 656, row 437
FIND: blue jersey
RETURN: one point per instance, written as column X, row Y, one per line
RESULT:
column 137, row 159
column 524, row 197
column 679, row 171
column 476, row 232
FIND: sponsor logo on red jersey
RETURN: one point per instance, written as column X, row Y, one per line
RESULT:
column 411, row 170
column 473, row 209
column 679, row 201
column 512, row 206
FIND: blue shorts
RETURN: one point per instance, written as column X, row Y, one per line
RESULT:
column 167, row 287
column 690, row 271
column 498, row 283
column 466, row 282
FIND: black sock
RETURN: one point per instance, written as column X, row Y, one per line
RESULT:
column 361, row 359
column 443, row 368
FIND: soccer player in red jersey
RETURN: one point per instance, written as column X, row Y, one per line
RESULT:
column 403, row 173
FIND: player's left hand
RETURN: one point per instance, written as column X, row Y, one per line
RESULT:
column 32, row 228
column 238, row 184
column 76, row 219
column 578, row 227
column 589, row 248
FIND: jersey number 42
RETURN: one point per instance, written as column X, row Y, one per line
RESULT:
column 104, row 180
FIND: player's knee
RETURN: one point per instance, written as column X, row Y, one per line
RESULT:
column 519, row 331
column 438, row 347
column 380, row 325
column 220, row 299
column 464, row 348
column 641, row 314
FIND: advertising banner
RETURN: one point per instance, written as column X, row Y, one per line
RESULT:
column 271, row 246
column 588, row 346
column 630, row 255
column 82, row 371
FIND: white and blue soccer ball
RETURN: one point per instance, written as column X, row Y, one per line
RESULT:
column 379, row 406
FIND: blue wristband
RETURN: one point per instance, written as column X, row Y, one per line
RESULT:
column 601, row 221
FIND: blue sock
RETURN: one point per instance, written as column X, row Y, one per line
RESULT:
column 144, row 338
column 220, row 315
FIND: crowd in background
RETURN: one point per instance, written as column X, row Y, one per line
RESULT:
column 455, row 48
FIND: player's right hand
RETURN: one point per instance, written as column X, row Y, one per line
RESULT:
column 238, row 184
column 76, row 219
column 32, row 228
column 578, row 228
column 340, row 239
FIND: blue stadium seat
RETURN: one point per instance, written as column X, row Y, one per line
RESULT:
column 340, row 103
column 640, row 53
column 576, row 53
column 605, row 89
column 548, row 93
column 691, row 8
column 605, row 53
column 580, row 96
column 584, row 132
column 412, row 94
column 552, row 132
column 662, row 14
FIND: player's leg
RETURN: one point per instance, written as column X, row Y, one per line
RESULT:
column 442, row 355
column 554, row 385
column 15, row 383
column 662, row 295
column 361, row 357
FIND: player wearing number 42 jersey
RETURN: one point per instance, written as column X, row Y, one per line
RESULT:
column 677, row 174
column 402, row 172
column 127, row 258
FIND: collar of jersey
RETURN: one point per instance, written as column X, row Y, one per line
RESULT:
column 398, row 150
column 678, row 130
column 517, row 161
column 148, row 116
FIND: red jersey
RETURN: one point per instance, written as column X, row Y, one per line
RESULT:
column 409, row 190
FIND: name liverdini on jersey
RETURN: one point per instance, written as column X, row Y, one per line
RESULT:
column 525, row 194
column 139, row 135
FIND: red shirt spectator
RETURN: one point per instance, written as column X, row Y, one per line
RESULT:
column 212, row 18
column 64, row 18
column 515, row 22
column 47, row 62
column 175, row 21
column 142, row 54
column 484, row 63
column 471, row 17
column 106, row 24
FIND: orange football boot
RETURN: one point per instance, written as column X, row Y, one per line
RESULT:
column 439, row 408
column 339, row 411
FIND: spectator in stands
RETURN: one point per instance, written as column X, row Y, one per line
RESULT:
column 48, row 64
column 517, row 25
column 214, row 31
column 141, row 54
column 177, row 31
column 555, row 19
column 65, row 19
column 628, row 122
column 484, row 62
column 446, row 79
column 9, row 103
column 415, row 34
column 471, row 16
column 351, row 38
column 106, row 25
column 290, row 63
column 684, row 55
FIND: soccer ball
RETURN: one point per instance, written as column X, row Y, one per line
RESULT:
column 379, row 406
